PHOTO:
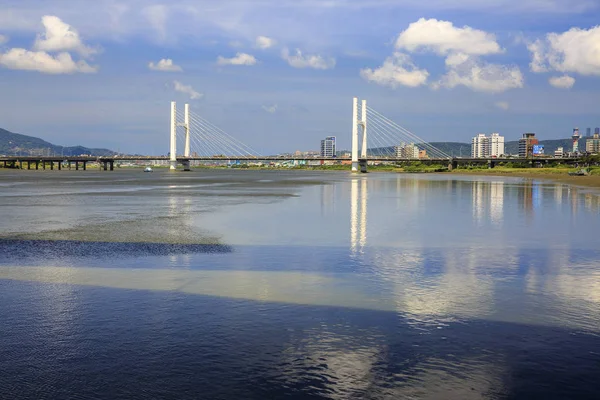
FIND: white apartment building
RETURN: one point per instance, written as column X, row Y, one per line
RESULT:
column 407, row 151
column 479, row 146
column 483, row 146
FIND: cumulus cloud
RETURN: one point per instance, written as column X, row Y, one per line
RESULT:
column 503, row 105
column 307, row 61
column 562, row 82
column 264, row 42
column 59, row 36
column 3, row 39
column 165, row 65
column 462, row 49
column 396, row 70
column 481, row 76
column 239, row 59
column 40, row 61
column 187, row 89
column 270, row 109
column 574, row 51
column 442, row 38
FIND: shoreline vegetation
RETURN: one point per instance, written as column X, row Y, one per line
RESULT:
column 552, row 172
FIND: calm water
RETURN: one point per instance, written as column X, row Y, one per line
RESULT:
column 255, row 285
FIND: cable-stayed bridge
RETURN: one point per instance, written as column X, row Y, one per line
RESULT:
column 201, row 140
column 374, row 137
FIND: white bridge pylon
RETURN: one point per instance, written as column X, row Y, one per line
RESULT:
column 356, row 123
column 186, row 126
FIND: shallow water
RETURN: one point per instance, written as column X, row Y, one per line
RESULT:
column 269, row 284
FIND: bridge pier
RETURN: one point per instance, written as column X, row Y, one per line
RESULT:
column 186, row 165
column 491, row 164
column 76, row 165
column 112, row 165
column 84, row 165
column 105, row 165
column 37, row 165
column 363, row 166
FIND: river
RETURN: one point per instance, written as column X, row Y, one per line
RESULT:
column 221, row 284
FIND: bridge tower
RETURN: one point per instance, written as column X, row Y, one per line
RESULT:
column 356, row 123
column 186, row 126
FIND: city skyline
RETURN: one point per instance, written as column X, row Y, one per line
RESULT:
column 281, row 75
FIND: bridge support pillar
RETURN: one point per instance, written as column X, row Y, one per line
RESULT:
column 173, row 152
column 105, row 165
column 84, row 165
column 60, row 165
column 356, row 122
column 44, row 165
column 186, row 165
column 76, row 165
column 112, row 165
column 491, row 164
column 363, row 166
column 37, row 165
column 28, row 165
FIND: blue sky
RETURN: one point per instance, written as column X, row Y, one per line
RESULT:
column 78, row 72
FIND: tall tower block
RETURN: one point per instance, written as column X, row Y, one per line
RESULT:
column 576, row 136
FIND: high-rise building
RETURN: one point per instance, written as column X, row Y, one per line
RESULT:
column 328, row 147
column 588, row 132
column 483, row 146
column 409, row 151
column 496, row 145
column 593, row 145
column 526, row 144
column 479, row 146
column 576, row 136
column 597, row 130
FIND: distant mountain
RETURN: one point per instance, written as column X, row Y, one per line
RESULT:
column 15, row 143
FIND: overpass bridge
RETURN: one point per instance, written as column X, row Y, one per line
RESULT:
column 107, row 163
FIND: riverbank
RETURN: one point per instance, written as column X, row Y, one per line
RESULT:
column 551, row 174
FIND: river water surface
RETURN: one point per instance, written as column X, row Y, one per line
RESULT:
column 267, row 284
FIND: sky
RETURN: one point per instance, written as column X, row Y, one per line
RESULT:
column 279, row 75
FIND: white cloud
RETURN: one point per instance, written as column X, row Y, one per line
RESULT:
column 3, row 39
column 503, row 105
column 59, row 36
column 309, row 61
column 187, row 89
column 157, row 16
column 62, row 63
column 263, row 42
column 442, row 38
column 270, row 109
column 562, row 82
column 481, row 76
column 462, row 48
column 239, row 59
column 538, row 56
column 575, row 51
column 165, row 65
column 396, row 70
column 235, row 43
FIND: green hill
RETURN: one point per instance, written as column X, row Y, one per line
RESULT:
column 17, row 144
